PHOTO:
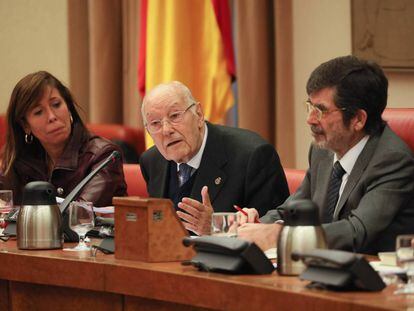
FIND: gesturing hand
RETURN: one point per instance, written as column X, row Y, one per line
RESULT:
column 196, row 216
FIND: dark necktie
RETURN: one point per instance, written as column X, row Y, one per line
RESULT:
column 184, row 173
column 333, row 191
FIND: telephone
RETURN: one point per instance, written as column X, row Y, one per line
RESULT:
column 340, row 270
column 104, row 228
column 11, row 219
column 228, row 255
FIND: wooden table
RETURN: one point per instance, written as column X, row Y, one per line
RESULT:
column 60, row 280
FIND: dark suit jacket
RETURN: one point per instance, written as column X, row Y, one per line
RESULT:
column 248, row 167
column 377, row 202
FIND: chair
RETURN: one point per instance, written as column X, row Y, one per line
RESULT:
column 401, row 121
column 134, row 180
column 131, row 140
column 294, row 178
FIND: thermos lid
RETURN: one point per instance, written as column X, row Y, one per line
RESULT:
column 301, row 213
column 39, row 193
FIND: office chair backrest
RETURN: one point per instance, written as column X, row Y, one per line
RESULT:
column 124, row 136
column 401, row 121
column 294, row 178
column 135, row 181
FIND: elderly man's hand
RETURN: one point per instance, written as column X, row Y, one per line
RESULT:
column 252, row 216
column 264, row 235
column 197, row 216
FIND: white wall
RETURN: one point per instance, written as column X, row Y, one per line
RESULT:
column 321, row 31
column 33, row 36
column 401, row 89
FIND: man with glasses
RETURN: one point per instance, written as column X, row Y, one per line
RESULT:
column 361, row 174
column 203, row 167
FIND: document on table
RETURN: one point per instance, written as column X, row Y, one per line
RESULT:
column 271, row 253
column 387, row 264
column 102, row 210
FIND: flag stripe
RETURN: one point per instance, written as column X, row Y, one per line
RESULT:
column 189, row 41
column 142, row 47
column 222, row 12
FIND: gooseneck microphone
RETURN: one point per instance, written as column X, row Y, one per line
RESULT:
column 70, row 235
column 74, row 193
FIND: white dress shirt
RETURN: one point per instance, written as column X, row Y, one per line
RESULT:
column 348, row 161
column 196, row 160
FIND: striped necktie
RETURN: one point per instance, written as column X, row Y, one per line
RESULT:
column 333, row 191
column 184, row 173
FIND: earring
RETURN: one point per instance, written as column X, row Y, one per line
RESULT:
column 71, row 119
column 28, row 138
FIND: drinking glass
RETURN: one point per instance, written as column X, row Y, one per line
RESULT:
column 224, row 224
column 404, row 249
column 6, row 204
column 81, row 220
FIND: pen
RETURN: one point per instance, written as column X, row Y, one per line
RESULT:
column 256, row 220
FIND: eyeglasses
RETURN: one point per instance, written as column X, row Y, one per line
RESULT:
column 173, row 118
column 320, row 111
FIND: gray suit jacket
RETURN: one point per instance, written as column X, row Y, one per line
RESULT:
column 377, row 203
column 248, row 167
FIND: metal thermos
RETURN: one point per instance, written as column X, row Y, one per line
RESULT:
column 39, row 224
column 301, row 232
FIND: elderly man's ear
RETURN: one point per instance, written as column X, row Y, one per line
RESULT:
column 199, row 112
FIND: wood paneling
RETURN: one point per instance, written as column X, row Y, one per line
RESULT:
column 25, row 296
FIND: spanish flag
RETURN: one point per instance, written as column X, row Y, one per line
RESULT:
column 189, row 41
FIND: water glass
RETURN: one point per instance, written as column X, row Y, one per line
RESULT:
column 81, row 220
column 224, row 224
column 405, row 259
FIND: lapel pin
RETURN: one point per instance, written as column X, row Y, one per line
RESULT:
column 217, row 181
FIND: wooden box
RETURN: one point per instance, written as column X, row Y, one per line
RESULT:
column 148, row 229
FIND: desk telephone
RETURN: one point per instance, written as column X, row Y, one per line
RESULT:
column 228, row 255
column 339, row 270
column 11, row 220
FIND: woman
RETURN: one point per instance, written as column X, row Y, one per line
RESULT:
column 47, row 140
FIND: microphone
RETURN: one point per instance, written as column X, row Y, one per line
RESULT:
column 69, row 234
column 71, row 196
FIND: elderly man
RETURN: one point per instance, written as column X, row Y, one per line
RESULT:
column 201, row 166
column 361, row 174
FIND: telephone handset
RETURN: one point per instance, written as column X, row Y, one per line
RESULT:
column 339, row 270
column 228, row 255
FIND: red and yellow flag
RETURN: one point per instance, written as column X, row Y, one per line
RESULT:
column 189, row 41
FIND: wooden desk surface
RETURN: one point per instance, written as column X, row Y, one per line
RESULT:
column 173, row 283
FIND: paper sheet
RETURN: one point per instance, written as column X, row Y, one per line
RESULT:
column 101, row 210
column 384, row 269
column 271, row 253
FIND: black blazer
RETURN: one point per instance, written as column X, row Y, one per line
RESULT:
column 238, row 166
